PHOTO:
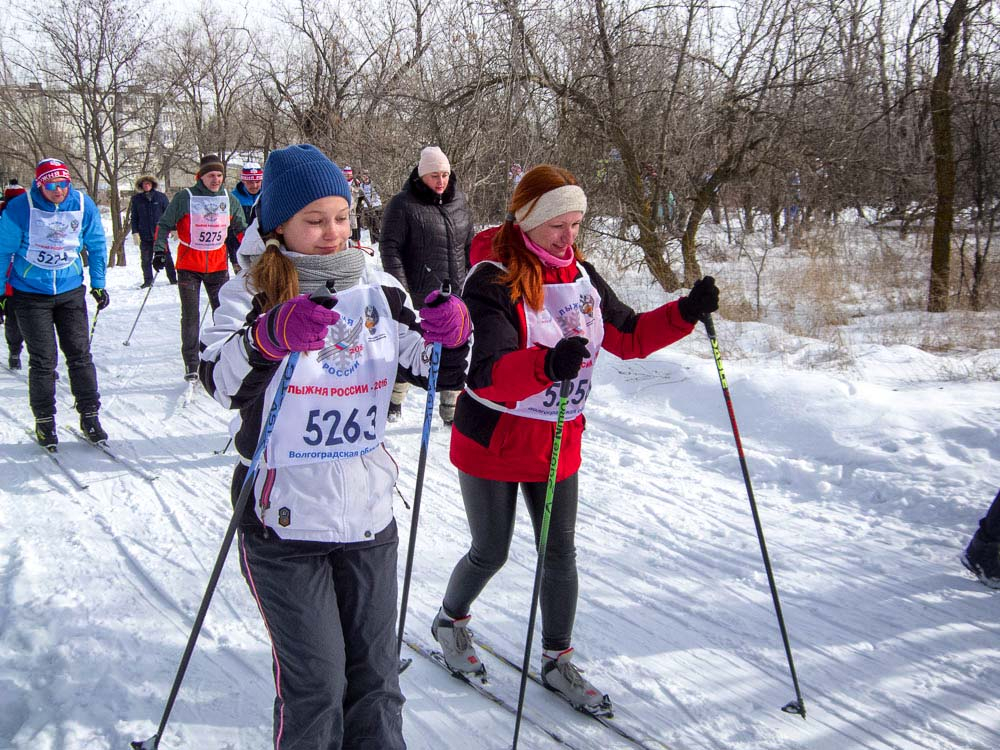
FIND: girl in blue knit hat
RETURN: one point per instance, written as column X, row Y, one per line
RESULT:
column 318, row 540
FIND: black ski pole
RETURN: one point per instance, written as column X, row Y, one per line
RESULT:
column 93, row 326
column 129, row 337
column 565, row 388
column 246, row 491
column 421, row 465
column 796, row 706
column 228, row 443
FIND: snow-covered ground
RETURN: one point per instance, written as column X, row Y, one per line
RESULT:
column 869, row 476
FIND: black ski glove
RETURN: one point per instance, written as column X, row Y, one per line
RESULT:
column 562, row 362
column 159, row 260
column 3, row 307
column 703, row 299
column 102, row 297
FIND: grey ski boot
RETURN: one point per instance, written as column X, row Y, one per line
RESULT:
column 456, row 644
column 560, row 675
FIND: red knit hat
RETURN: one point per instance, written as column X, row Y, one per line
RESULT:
column 252, row 172
column 49, row 170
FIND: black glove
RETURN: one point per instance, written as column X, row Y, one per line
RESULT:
column 562, row 362
column 3, row 307
column 102, row 297
column 159, row 260
column 703, row 299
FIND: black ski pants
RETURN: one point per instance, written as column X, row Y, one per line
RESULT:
column 989, row 525
column 12, row 332
column 41, row 318
column 490, row 506
column 330, row 612
column 189, row 287
column 146, row 261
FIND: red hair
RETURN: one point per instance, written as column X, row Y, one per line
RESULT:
column 524, row 269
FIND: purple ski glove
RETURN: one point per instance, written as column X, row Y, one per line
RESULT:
column 298, row 325
column 445, row 320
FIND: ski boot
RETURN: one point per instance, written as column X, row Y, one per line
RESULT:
column 45, row 433
column 395, row 412
column 14, row 362
column 91, row 427
column 456, row 644
column 982, row 558
column 560, row 675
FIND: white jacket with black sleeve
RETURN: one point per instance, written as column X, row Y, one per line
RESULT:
column 325, row 475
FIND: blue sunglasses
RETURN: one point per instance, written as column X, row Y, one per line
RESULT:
column 61, row 185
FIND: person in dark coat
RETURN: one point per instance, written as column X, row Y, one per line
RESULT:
column 148, row 205
column 426, row 234
column 982, row 555
column 12, row 332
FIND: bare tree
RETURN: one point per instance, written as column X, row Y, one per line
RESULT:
column 87, row 59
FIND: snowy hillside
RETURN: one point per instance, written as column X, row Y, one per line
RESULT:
column 870, row 479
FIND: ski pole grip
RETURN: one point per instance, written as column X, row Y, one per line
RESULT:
column 443, row 294
column 325, row 295
column 566, row 388
column 709, row 324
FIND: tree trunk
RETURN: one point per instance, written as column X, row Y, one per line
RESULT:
column 702, row 201
column 944, row 157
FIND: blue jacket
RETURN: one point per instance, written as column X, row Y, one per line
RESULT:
column 247, row 202
column 24, row 276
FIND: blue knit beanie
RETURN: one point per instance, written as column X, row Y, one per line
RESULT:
column 293, row 178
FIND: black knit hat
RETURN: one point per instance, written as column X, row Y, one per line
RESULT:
column 210, row 163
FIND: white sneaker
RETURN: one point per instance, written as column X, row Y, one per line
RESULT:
column 456, row 643
column 560, row 675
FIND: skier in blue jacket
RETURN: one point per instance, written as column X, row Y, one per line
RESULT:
column 42, row 234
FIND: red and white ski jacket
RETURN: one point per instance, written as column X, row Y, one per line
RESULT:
column 504, row 369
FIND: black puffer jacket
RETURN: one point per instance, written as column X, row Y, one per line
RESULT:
column 421, row 230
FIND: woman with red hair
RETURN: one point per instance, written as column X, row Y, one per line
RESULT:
column 541, row 315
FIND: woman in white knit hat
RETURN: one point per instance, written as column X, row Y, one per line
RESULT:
column 541, row 316
column 426, row 234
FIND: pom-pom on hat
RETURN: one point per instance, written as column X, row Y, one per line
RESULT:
column 210, row 163
column 432, row 159
column 293, row 178
column 252, row 172
column 50, row 170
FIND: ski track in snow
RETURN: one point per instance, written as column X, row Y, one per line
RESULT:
column 868, row 484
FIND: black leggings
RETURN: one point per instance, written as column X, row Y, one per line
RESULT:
column 491, row 507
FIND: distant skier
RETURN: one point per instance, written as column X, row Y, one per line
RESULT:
column 982, row 556
column 42, row 233
column 148, row 205
column 318, row 541
column 202, row 216
column 15, row 341
column 541, row 315
column 247, row 191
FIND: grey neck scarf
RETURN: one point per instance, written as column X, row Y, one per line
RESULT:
column 343, row 268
